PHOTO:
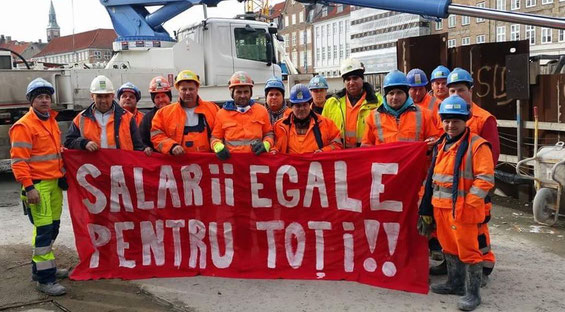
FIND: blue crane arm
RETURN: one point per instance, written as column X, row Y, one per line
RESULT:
column 132, row 20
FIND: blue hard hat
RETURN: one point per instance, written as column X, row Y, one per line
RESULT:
column 417, row 78
column 439, row 73
column 128, row 86
column 318, row 82
column 395, row 78
column 454, row 105
column 274, row 83
column 300, row 94
column 459, row 75
column 36, row 84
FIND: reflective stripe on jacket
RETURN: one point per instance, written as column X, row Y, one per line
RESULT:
column 167, row 129
column 288, row 141
column 431, row 103
column 414, row 124
column 237, row 131
column 36, row 148
column 352, row 126
column 121, row 130
column 476, row 178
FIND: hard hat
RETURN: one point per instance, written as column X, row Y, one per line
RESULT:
column 459, row 75
column 417, row 78
column 439, row 73
column 318, row 82
column 101, row 85
column 300, row 94
column 351, row 65
column 274, row 83
column 187, row 75
column 395, row 78
column 159, row 84
column 240, row 78
column 454, row 105
column 129, row 87
column 38, row 84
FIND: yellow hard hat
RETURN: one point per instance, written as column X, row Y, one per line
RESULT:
column 187, row 75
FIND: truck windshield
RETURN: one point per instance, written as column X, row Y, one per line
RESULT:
column 251, row 45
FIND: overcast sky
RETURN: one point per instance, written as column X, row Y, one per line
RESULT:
column 26, row 20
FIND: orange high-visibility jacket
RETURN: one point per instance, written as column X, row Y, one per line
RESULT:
column 237, row 131
column 414, row 124
column 478, row 118
column 288, row 141
column 138, row 116
column 121, row 130
column 167, row 128
column 36, row 148
column 476, row 178
column 431, row 103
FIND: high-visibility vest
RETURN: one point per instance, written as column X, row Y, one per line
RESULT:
column 168, row 128
column 322, row 134
column 36, row 148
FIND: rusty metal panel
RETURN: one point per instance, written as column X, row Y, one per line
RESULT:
column 549, row 96
column 424, row 52
column 518, row 77
column 487, row 64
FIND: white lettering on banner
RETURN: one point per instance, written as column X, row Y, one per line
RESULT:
column 167, row 184
column 371, row 232
column 191, row 176
column 215, row 184
column 99, row 236
column 152, row 240
column 219, row 261
column 344, row 202
column 118, row 188
column 270, row 227
column 319, row 227
column 100, row 199
column 140, row 192
column 295, row 257
column 348, row 251
column 122, row 245
column 294, row 194
column 392, row 230
column 175, row 225
column 196, row 232
column 256, row 201
column 377, row 187
column 315, row 180
column 228, row 185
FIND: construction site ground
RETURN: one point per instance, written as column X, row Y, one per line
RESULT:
column 529, row 276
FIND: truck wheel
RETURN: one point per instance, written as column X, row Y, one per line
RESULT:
column 543, row 205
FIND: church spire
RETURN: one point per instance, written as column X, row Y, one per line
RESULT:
column 53, row 30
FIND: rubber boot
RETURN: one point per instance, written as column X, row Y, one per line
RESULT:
column 51, row 289
column 472, row 298
column 455, row 284
column 440, row 269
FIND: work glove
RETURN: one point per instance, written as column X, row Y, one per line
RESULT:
column 425, row 225
column 260, row 147
column 221, row 151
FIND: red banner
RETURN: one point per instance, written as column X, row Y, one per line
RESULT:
column 347, row 215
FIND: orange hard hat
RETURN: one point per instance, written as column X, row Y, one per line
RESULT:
column 240, row 78
column 159, row 84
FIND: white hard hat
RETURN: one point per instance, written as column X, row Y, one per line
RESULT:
column 350, row 65
column 101, row 85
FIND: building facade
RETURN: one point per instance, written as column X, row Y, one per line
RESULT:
column 296, row 28
column 464, row 30
column 331, row 39
column 374, row 34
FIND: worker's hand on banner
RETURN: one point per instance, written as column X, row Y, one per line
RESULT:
column 431, row 141
column 32, row 196
column 260, row 147
column 147, row 151
column 221, row 151
column 425, row 225
column 91, row 146
column 177, row 150
column 318, row 151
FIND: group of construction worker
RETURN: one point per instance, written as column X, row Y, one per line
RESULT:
column 462, row 141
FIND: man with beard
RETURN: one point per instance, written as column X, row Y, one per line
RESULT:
column 161, row 96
